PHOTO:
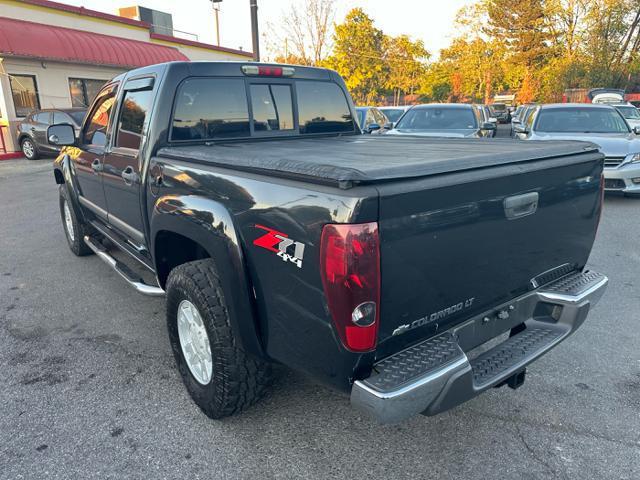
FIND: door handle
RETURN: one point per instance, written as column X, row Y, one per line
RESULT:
column 519, row 206
column 129, row 175
column 96, row 165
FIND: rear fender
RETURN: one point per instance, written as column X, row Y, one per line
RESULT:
column 209, row 224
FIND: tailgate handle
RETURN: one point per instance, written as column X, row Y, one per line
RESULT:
column 520, row 206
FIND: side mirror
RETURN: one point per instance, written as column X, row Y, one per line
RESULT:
column 519, row 128
column 488, row 126
column 388, row 126
column 373, row 127
column 61, row 135
column 636, row 130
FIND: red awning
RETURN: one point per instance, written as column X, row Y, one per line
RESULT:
column 36, row 40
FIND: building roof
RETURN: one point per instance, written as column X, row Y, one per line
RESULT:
column 47, row 42
column 128, row 21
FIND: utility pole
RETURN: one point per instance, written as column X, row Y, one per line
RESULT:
column 216, row 10
column 255, row 36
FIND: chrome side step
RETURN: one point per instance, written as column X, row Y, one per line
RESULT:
column 124, row 271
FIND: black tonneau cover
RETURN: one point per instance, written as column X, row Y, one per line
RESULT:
column 357, row 159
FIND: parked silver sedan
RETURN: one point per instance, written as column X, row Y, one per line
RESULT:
column 599, row 124
column 443, row 120
column 630, row 113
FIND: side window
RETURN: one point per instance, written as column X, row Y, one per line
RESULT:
column 42, row 117
column 272, row 107
column 61, row 117
column 531, row 116
column 95, row 131
column 210, row 108
column 135, row 107
column 369, row 118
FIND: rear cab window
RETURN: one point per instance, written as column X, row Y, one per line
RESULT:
column 214, row 108
column 210, row 108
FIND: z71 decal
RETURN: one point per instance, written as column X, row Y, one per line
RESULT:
column 281, row 244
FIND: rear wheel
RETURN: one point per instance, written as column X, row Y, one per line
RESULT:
column 29, row 149
column 221, row 378
column 74, row 229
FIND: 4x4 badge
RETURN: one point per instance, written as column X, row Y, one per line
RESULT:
column 280, row 243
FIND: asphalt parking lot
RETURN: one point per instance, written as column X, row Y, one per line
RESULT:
column 88, row 387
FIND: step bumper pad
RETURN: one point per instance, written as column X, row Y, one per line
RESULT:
column 436, row 375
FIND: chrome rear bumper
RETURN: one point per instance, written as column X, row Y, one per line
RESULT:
column 436, row 375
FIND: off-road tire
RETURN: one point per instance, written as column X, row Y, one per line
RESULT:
column 238, row 380
column 29, row 156
column 80, row 229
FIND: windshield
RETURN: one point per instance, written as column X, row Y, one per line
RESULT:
column 438, row 118
column 78, row 116
column 498, row 107
column 581, row 120
column 393, row 114
column 632, row 113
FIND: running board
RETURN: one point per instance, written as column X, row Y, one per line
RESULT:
column 124, row 271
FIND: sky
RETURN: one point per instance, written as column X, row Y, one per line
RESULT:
column 429, row 20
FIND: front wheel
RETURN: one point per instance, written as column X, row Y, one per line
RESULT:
column 74, row 229
column 29, row 149
column 221, row 378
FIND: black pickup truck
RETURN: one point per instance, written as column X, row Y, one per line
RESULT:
column 410, row 273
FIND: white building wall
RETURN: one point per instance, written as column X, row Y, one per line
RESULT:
column 52, row 79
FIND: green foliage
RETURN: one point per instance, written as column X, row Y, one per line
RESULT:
column 373, row 64
column 534, row 48
column 358, row 55
column 538, row 48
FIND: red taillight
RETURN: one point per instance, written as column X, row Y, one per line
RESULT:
column 350, row 269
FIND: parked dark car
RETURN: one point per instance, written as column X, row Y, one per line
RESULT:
column 501, row 112
column 32, row 131
column 279, row 233
column 444, row 120
column 372, row 120
column 485, row 117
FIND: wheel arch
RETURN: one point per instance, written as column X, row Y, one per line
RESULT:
column 189, row 227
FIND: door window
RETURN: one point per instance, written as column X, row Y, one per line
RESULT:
column 380, row 118
column 42, row 117
column 95, row 132
column 135, row 107
column 61, row 117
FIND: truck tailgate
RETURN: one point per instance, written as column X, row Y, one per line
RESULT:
column 455, row 245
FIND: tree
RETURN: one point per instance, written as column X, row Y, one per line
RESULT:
column 306, row 33
column 406, row 61
column 522, row 27
column 359, row 56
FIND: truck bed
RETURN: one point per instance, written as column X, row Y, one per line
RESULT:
column 362, row 159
